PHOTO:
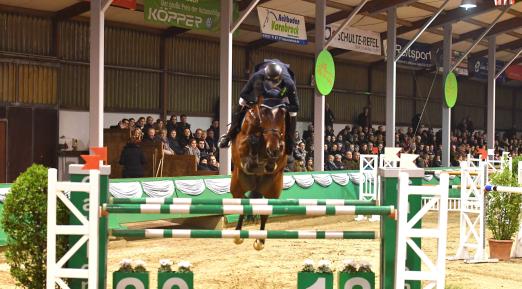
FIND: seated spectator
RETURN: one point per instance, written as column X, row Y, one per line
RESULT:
column 203, row 152
column 132, row 158
column 171, row 123
column 192, row 149
column 299, row 166
column 329, row 165
column 122, row 124
column 300, row 152
column 310, row 165
column 174, row 144
column 185, row 137
column 165, row 142
column 203, row 165
column 198, row 133
column 211, row 140
column 132, row 123
column 159, row 125
column 338, row 162
column 349, row 163
column 213, row 164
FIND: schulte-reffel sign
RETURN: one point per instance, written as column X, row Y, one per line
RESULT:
column 324, row 72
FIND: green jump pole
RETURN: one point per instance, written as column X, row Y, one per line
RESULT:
column 244, row 234
column 249, row 209
column 286, row 202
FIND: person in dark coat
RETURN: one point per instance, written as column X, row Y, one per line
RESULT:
column 363, row 120
column 132, row 158
column 174, row 144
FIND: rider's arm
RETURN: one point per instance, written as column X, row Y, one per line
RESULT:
column 293, row 107
column 248, row 93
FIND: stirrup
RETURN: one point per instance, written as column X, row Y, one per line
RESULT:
column 224, row 141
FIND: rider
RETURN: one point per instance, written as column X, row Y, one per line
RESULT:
column 272, row 79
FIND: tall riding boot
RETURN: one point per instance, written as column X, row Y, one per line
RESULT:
column 233, row 130
column 290, row 134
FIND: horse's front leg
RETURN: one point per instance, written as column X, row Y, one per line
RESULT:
column 239, row 225
column 259, row 244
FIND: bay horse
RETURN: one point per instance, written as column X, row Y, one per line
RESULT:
column 258, row 156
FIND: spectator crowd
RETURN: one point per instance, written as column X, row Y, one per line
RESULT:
column 342, row 150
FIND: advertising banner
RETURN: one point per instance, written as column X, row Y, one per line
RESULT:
column 478, row 68
column 355, row 39
column 419, row 54
column 188, row 14
column 129, row 4
column 514, row 72
column 282, row 26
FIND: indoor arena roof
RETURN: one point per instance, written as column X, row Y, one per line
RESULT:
column 469, row 24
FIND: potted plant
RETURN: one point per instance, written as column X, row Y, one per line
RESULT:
column 502, row 215
column 126, row 275
column 309, row 276
column 350, row 276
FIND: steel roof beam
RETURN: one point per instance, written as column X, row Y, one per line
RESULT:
column 509, row 63
column 72, row 11
column 347, row 21
column 455, row 15
column 479, row 39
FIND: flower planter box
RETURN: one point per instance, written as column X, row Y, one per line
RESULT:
column 309, row 280
column 175, row 280
column 130, row 280
column 356, row 280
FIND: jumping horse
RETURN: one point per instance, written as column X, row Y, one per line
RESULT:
column 258, row 156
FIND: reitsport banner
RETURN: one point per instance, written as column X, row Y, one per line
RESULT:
column 282, row 26
column 355, row 39
column 418, row 55
column 514, row 72
column 189, row 14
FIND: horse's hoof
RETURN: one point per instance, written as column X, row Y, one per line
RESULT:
column 238, row 241
column 258, row 245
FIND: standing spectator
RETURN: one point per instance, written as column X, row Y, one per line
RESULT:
column 132, row 123
column 329, row 117
column 149, row 123
column 211, row 140
column 165, row 142
column 308, row 135
column 159, row 125
column 171, row 123
column 141, row 124
column 363, row 120
column 150, row 135
column 132, row 158
column 182, row 125
column 215, row 128
column 203, row 152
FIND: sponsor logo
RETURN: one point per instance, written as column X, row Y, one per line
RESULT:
column 176, row 17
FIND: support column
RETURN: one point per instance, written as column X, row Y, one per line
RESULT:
column 225, row 84
column 492, row 85
column 446, row 111
column 163, row 78
column 391, row 77
column 96, row 74
column 319, row 126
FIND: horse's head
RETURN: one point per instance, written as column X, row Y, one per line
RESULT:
column 272, row 126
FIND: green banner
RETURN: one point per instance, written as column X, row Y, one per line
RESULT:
column 189, row 14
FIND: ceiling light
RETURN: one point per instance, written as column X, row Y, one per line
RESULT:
column 467, row 4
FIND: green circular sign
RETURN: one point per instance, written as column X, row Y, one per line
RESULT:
column 451, row 90
column 324, row 72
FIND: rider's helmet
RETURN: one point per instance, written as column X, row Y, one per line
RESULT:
column 273, row 72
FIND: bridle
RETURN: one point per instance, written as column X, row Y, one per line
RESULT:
column 259, row 119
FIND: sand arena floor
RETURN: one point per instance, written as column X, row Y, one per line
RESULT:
column 220, row 264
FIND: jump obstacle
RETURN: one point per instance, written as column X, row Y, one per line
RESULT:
column 402, row 235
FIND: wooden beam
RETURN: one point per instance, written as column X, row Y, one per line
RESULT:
column 506, row 46
column 69, row 12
